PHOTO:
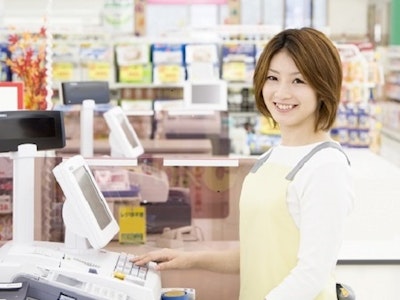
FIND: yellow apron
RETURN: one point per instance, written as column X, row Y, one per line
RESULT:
column 269, row 238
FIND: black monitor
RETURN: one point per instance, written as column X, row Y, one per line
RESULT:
column 44, row 128
column 75, row 92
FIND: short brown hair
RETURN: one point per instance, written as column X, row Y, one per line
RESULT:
column 317, row 59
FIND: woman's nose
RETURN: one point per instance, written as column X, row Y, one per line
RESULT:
column 282, row 92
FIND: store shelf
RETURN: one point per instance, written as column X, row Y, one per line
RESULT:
column 390, row 132
column 393, row 75
column 120, row 85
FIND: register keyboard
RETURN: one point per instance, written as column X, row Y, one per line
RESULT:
column 54, row 273
column 126, row 270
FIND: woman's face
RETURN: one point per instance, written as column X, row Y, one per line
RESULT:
column 290, row 99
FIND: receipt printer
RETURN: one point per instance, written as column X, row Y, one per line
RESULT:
column 14, row 290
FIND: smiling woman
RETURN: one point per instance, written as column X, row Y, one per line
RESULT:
column 321, row 72
column 295, row 200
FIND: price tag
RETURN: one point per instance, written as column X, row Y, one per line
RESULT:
column 131, row 73
column 169, row 73
column 63, row 71
column 99, row 71
column 234, row 71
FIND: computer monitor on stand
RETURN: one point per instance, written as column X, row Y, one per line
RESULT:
column 124, row 141
column 87, row 94
column 22, row 133
column 87, row 217
column 204, row 115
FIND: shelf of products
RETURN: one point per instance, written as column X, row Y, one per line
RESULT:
column 390, row 142
column 145, row 75
column 393, row 76
column 362, row 75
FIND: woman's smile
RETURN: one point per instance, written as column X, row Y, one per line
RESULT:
column 283, row 107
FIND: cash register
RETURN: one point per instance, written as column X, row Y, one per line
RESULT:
column 79, row 268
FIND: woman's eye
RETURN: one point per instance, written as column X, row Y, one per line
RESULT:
column 271, row 78
column 297, row 80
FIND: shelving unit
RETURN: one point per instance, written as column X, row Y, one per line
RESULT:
column 95, row 56
column 393, row 76
column 390, row 142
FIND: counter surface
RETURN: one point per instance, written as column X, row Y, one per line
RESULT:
column 189, row 146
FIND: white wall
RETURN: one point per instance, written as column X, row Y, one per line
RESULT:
column 70, row 14
column 348, row 17
column 344, row 16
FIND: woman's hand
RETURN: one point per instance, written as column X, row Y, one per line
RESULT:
column 225, row 261
column 166, row 259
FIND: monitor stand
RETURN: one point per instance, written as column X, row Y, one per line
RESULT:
column 114, row 150
column 23, row 195
column 73, row 241
column 86, row 125
column 24, row 203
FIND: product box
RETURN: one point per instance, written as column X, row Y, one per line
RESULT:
column 207, row 53
column 132, row 54
column 65, row 65
column 168, row 54
column 238, row 61
column 5, row 71
column 168, row 63
column 202, row 62
column 133, row 63
column 96, row 61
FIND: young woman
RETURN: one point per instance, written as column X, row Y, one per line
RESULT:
column 295, row 200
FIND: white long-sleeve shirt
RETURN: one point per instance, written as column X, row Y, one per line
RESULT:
column 319, row 199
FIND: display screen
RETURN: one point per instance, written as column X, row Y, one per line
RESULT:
column 127, row 131
column 206, row 94
column 78, row 91
column 93, row 197
column 45, row 129
column 15, row 128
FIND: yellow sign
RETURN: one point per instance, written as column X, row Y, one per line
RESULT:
column 132, row 224
column 99, row 70
column 131, row 73
column 63, row 71
column 169, row 73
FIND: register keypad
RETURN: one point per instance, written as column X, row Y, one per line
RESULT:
column 127, row 270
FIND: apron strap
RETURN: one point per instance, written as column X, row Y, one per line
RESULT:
column 319, row 147
column 260, row 162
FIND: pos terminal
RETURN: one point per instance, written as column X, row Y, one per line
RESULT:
column 79, row 268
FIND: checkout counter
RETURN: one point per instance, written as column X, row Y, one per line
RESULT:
column 370, row 255
column 157, row 146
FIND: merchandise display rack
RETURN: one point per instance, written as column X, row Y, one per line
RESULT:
column 391, row 108
column 94, row 55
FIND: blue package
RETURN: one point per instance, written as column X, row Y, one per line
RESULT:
column 168, row 54
column 5, row 70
